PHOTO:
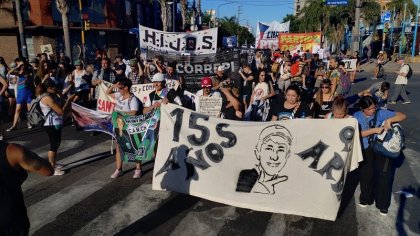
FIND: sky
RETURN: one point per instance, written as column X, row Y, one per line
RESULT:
column 252, row 11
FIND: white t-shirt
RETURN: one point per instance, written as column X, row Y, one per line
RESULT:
column 261, row 90
column 402, row 79
column 130, row 104
column 53, row 118
column 11, row 79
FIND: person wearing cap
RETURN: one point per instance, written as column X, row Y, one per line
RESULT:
column 81, row 84
column 379, row 63
column 23, row 92
column 103, row 74
column 401, row 83
column 51, row 107
column 136, row 74
column 220, row 79
column 160, row 94
column 129, row 104
column 207, row 90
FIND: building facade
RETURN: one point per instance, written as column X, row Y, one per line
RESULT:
column 110, row 24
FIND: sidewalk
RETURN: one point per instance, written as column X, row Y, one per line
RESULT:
column 390, row 66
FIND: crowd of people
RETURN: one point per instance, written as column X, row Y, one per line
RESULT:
column 274, row 86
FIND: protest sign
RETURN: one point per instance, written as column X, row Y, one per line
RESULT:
column 294, row 41
column 90, row 120
column 230, row 41
column 198, row 42
column 136, row 135
column 349, row 64
column 194, row 67
column 210, row 106
column 106, row 103
column 267, row 34
column 290, row 166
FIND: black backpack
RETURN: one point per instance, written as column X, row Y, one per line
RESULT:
column 410, row 72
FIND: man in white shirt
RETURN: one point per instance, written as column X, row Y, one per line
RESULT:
column 401, row 83
column 206, row 91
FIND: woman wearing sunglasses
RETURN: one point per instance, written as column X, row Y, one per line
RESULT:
column 375, row 170
column 322, row 100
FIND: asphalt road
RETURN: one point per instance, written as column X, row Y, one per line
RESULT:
column 86, row 201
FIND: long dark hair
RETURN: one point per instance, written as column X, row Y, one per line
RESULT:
column 366, row 101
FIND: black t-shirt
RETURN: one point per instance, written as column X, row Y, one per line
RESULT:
column 247, row 84
column 278, row 109
column 230, row 112
column 120, row 67
column 319, row 111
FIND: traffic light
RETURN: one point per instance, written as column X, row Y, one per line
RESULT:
column 86, row 25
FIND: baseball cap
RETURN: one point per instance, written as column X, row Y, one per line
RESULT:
column 133, row 62
column 158, row 77
column 77, row 62
column 12, row 65
column 221, row 68
column 206, row 82
column 381, row 52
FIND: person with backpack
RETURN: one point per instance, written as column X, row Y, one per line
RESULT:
column 127, row 103
column 50, row 105
column 404, row 75
column 376, row 170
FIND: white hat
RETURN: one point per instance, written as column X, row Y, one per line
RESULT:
column 221, row 68
column 158, row 77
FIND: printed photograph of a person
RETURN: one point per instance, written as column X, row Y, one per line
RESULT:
column 272, row 152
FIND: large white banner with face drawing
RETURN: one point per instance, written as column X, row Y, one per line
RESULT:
column 198, row 42
column 293, row 166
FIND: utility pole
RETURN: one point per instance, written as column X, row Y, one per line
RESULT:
column 239, row 26
column 21, row 27
column 392, row 31
column 413, row 49
column 356, row 30
column 82, row 23
column 403, row 29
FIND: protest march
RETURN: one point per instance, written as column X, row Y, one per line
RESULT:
column 269, row 128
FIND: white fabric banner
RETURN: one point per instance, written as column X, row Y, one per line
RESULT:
column 290, row 166
column 349, row 64
column 106, row 103
column 198, row 42
column 267, row 35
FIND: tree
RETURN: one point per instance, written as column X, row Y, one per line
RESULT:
column 164, row 13
column 294, row 22
column 229, row 26
column 63, row 8
column 184, row 8
column 399, row 9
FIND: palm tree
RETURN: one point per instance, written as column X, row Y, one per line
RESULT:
column 399, row 9
column 63, row 8
column 21, row 28
column 184, row 8
column 164, row 13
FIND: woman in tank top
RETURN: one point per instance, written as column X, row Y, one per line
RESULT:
column 51, row 108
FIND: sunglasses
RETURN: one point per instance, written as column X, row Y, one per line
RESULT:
column 325, row 87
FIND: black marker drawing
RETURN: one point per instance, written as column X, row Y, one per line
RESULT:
column 346, row 136
column 272, row 151
column 315, row 152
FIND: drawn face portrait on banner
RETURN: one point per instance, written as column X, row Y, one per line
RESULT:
column 272, row 152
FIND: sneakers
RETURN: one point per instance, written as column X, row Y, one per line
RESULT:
column 391, row 102
column 116, row 174
column 11, row 129
column 59, row 166
column 408, row 102
column 363, row 204
column 58, row 172
column 137, row 174
column 383, row 212
column 1, row 137
column 30, row 127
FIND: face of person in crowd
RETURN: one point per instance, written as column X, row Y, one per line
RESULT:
column 206, row 91
column 170, row 70
column 79, row 67
column 134, row 68
column 158, row 86
column 120, row 124
column 370, row 111
column 273, row 154
column 123, row 89
column 338, row 113
column 61, row 54
column 52, row 90
column 104, row 64
column 43, row 57
column 333, row 63
column 262, row 76
column 400, row 61
column 292, row 97
column 325, row 88
column 247, row 69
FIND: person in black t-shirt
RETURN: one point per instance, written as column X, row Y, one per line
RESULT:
column 232, row 107
column 248, row 78
column 291, row 107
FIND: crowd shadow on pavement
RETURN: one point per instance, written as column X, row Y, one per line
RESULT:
column 411, row 222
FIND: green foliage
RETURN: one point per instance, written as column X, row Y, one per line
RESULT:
column 294, row 22
column 228, row 26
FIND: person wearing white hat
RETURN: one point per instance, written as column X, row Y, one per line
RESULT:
column 159, row 95
column 220, row 78
column 378, row 72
